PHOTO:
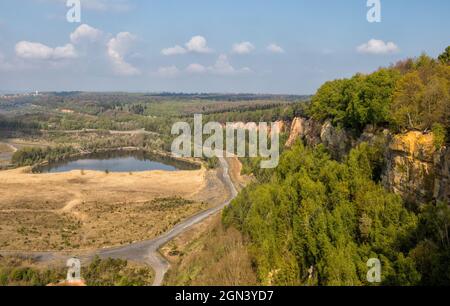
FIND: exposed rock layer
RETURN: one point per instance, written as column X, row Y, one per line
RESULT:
column 415, row 169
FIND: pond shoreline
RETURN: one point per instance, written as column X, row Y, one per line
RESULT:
column 186, row 164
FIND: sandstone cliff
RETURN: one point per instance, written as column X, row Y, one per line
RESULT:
column 415, row 169
column 338, row 141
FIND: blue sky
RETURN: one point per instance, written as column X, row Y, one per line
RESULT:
column 259, row 46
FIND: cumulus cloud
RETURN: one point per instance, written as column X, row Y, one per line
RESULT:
column 67, row 51
column 196, row 68
column 223, row 67
column 245, row 47
column 38, row 51
column 85, row 32
column 168, row 72
column 274, row 48
column 174, row 51
column 196, row 44
column 375, row 46
column 117, row 48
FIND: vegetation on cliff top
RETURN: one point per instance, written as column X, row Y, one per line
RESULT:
column 412, row 94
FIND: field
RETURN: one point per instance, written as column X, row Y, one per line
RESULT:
column 84, row 210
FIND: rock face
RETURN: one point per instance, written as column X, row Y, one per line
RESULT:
column 297, row 131
column 442, row 186
column 416, row 170
column 313, row 133
column 338, row 141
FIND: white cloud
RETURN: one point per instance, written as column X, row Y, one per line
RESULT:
column 196, row 68
column 223, row 67
column 30, row 50
column 85, row 32
column 375, row 46
column 274, row 48
column 117, row 49
column 174, row 51
column 196, row 44
column 243, row 48
column 34, row 50
column 168, row 72
column 67, row 51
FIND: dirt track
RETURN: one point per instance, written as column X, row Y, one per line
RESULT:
column 89, row 210
column 145, row 251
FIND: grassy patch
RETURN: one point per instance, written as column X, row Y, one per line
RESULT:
column 215, row 256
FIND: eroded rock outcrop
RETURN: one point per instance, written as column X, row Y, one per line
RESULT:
column 415, row 169
column 442, row 184
column 337, row 140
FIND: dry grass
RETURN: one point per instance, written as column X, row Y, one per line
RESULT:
column 209, row 255
column 23, row 271
column 6, row 152
column 4, row 148
column 74, row 210
column 239, row 180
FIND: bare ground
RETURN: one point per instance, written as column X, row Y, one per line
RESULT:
column 75, row 210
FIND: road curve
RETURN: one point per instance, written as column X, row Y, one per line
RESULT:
column 146, row 251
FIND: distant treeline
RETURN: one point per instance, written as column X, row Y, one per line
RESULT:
column 260, row 113
column 16, row 124
column 230, row 97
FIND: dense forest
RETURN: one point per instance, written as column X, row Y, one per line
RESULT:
column 317, row 221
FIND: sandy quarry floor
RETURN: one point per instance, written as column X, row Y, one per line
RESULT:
column 76, row 210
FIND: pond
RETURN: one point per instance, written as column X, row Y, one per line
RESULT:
column 118, row 161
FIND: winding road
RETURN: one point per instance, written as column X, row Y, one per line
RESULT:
column 146, row 251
